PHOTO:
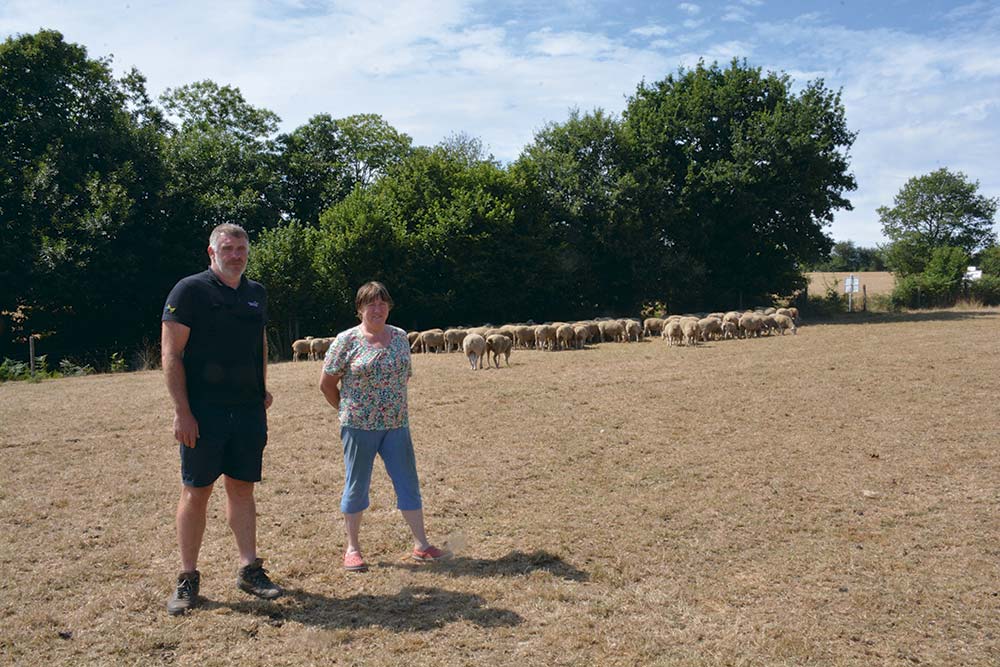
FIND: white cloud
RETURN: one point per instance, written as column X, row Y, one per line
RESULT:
column 689, row 8
column 651, row 30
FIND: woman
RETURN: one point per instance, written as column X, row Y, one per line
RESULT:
column 364, row 377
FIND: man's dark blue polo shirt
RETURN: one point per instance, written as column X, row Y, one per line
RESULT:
column 224, row 356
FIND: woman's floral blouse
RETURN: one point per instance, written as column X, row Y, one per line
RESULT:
column 373, row 380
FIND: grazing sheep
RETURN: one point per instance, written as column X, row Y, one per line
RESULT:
column 453, row 339
column 711, row 328
column 524, row 336
column 565, row 336
column 432, row 339
column 545, row 337
column 673, row 332
column 793, row 312
column 783, row 322
column 633, row 331
column 768, row 324
column 496, row 345
column 730, row 330
column 750, row 325
column 411, row 337
column 581, row 335
column 611, row 330
column 770, row 311
column 691, row 329
column 652, row 326
column 302, row 347
column 510, row 331
column 318, row 347
column 474, row 347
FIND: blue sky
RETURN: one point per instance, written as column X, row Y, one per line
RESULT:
column 920, row 79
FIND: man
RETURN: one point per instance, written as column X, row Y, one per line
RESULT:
column 215, row 364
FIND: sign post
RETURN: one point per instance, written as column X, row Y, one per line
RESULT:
column 851, row 285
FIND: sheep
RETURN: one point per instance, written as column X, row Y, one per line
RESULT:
column 474, row 347
column 510, row 331
column 652, row 326
column 524, row 336
column 565, row 336
column 770, row 311
column 581, row 335
column 302, row 346
column 691, row 329
column 427, row 340
column 711, row 328
column 673, row 332
column 611, row 330
column 793, row 312
column 730, row 330
column 411, row 337
column 496, row 345
column 783, row 322
column 453, row 339
column 750, row 325
column 545, row 337
column 318, row 347
column 768, row 324
column 633, row 331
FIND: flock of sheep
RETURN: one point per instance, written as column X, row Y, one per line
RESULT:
column 490, row 343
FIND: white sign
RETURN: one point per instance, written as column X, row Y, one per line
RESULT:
column 852, row 284
column 973, row 273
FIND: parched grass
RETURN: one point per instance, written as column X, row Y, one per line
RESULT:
column 829, row 498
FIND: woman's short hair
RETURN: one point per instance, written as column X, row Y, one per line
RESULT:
column 370, row 292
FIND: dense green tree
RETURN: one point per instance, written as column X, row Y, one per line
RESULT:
column 942, row 208
column 221, row 158
column 80, row 217
column 848, row 256
column 989, row 260
column 596, row 249
column 371, row 146
column 735, row 176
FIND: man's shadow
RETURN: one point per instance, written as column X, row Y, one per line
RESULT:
column 516, row 563
column 413, row 609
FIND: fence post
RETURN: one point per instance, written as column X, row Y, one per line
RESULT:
column 864, row 298
column 31, row 354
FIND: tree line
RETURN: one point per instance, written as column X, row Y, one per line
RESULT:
column 712, row 189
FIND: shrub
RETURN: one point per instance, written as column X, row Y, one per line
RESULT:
column 925, row 290
column 986, row 290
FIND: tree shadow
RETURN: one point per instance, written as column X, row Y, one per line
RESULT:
column 514, row 564
column 412, row 609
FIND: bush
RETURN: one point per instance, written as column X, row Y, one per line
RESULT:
column 986, row 290
column 21, row 370
column 924, row 290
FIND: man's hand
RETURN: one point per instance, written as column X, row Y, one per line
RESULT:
column 185, row 428
column 268, row 400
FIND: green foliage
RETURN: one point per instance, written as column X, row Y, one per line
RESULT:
column 989, row 260
column 68, row 368
column 847, row 256
column 986, row 290
column 925, row 290
column 942, row 208
column 947, row 263
column 117, row 363
column 733, row 177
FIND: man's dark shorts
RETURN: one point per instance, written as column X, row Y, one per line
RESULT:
column 231, row 441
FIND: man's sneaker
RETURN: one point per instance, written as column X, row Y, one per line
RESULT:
column 430, row 554
column 186, row 594
column 254, row 580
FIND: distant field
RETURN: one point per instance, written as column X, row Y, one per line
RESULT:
column 829, row 498
column 877, row 282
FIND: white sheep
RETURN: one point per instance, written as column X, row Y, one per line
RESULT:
column 711, row 328
column 750, row 325
column 673, row 332
column 783, row 322
column 565, row 336
column 453, row 339
column 652, row 326
column 302, row 347
column 524, row 336
column 432, row 339
column 474, row 347
column 611, row 330
column 496, row 345
column 545, row 337
column 318, row 347
column 730, row 330
column 691, row 329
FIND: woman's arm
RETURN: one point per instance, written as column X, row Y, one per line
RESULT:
column 330, row 386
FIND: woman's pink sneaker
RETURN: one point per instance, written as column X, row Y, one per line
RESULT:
column 430, row 554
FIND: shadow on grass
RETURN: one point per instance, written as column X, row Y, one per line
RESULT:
column 516, row 563
column 909, row 316
column 412, row 609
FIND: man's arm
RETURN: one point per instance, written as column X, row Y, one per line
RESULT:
column 173, row 339
column 268, row 399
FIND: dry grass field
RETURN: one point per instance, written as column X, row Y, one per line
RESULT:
column 830, row 498
column 876, row 282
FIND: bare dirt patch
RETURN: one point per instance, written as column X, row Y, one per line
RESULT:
column 829, row 498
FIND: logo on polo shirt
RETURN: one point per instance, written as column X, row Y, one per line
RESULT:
column 253, row 304
column 170, row 309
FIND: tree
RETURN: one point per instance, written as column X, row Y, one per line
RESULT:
column 81, row 197
column 734, row 177
column 848, row 256
column 942, row 208
column 989, row 260
column 221, row 158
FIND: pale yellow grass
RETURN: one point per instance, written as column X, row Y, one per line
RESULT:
column 876, row 282
column 829, row 498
